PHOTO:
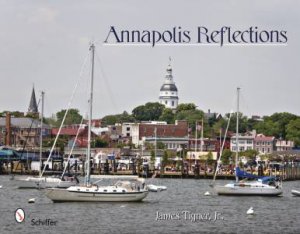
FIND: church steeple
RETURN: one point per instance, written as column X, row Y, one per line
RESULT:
column 33, row 108
column 168, row 92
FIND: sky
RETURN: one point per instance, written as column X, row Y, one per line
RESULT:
column 46, row 44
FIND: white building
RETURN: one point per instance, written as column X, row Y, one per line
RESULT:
column 283, row 145
column 171, row 143
column 246, row 142
column 168, row 95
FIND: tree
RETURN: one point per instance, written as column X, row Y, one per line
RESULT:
column 227, row 156
column 119, row 118
column 109, row 120
column 268, row 128
column 164, row 162
column 167, row 115
column 191, row 116
column 209, row 158
column 73, row 117
column 16, row 114
column 185, row 107
column 243, row 122
column 249, row 154
column 61, row 142
column 293, row 131
column 160, row 145
column 152, row 159
column 282, row 119
column 149, row 111
column 100, row 143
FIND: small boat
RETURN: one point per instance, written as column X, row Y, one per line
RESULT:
column 31, row 200
column 296, row 192
column 32, row 182
column 250, row 211
column 207, row 193
column 156, row 188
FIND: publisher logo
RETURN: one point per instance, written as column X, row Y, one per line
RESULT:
column 20, row 215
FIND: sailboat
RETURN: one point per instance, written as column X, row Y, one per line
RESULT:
column 122, row 191
column 41, row 182
column 251, row 184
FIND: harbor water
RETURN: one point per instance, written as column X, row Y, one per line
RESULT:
column 182, row 208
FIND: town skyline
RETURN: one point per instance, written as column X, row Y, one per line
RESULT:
column 55, row 44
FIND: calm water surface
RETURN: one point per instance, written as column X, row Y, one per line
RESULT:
column 184, row 196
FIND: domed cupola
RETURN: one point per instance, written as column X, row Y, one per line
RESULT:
column 168, row 91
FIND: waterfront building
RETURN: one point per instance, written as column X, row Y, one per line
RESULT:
column 23, row 130
column 172, row 135
column 207, row 144
column 284, row 145
column 168, row 95
column 264, row 144
column 171, row 143
column 246, row 141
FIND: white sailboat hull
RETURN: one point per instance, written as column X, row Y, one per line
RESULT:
column 42, row 183
column 64, row 195
column 248, row 191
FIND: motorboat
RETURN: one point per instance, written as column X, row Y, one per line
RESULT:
column 156, row 188
column 296, row 192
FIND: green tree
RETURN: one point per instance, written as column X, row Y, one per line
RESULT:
column 149, row 111
column 100, row 143
column 227, row 156
column 110, row 120
column 243, row 122
column 282, row 120
column 165, row 161
column 16, row 114
column 152, row 159
column 167, row 115
column 160, row 145
column 61, row 142
column 293, row 131
column 267, row 127
column 191, row 116
column 73, row 117
column 119, row 118
column 209, row 158
column 185, row 107
column 249, row 154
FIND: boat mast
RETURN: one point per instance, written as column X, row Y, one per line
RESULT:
column 155, row 145
column 201, row 143
column 196, row 133
column 41, row 134
column 237, row 132
column 92, row 49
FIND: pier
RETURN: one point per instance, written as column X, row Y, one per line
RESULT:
column 287, row 171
